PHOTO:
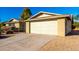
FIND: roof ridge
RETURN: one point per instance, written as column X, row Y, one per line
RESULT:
column 49, row 13
column 12, row 19
column 46, row 13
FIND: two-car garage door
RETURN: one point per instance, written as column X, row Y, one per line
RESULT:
column 44, row 27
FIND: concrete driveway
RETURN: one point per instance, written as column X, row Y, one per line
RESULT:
column 68, row 43
column 36, row 42
column 24, row 42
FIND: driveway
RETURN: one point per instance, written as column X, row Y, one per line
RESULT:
column 24, row 42
column 37, row 42
column 68, row 43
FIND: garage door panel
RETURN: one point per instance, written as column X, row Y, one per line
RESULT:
column 44, row 27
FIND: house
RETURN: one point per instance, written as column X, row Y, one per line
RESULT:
column 13, row 22
column 49, row 23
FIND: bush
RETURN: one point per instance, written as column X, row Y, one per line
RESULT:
column 73, row 26
column 1, row 31
column 76, row 24
column 14, row 29
column 9, row 32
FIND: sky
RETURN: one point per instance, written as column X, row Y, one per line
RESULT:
column 60, row 10
column 6, row 13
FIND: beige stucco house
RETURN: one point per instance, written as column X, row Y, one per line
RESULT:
column 20, row 24
column 13, row 22
column 49, row 24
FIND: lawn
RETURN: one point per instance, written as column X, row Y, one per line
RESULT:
column 77, row 28
column 76, row 24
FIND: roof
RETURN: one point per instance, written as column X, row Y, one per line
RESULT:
column 53, row 17
column 12, row 19
column 42, row 12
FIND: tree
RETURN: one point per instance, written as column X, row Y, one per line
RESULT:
column 76, row 17
column 26, row 14
column 0, row 26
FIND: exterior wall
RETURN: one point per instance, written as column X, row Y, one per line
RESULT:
column 27, row 27
column 17, row 25
column 13, row 24
column 61, row 27
column 7, row 24
column 43, row 15
column 45, row 27
column 68, row 26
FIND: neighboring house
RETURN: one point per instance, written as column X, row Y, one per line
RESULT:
column 13, row 22
column 20, row 24
column 50, row 24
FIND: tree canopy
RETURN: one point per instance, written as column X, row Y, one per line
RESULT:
column 76, row 17
column 26, row 13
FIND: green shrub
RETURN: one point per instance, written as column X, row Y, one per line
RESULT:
column 0, row 31
column 76, row 24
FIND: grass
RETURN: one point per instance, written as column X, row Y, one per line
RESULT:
column 77, row 28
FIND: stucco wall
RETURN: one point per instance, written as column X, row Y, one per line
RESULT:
column 61, row 27
column 43, row 15
column 27, row 27
column 7, row 24
column 17, row 25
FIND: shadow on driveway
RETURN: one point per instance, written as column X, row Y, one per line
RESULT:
column 3, row 37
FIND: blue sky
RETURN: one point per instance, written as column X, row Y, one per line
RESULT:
column 6, row 13
column 61, row 10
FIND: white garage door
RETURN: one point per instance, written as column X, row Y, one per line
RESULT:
column 44, row 27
